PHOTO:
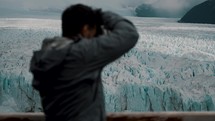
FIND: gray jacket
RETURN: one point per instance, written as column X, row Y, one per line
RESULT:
column 67, row 73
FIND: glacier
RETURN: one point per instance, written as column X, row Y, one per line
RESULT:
column 172, row 68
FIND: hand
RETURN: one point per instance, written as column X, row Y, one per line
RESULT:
column 98, row 13
column 99, row 21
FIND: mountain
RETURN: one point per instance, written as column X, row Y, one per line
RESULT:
column 202, row 13
column 149, row 10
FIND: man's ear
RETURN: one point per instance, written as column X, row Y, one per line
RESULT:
column 84, row 30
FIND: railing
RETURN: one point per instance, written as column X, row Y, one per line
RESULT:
column 162, row 116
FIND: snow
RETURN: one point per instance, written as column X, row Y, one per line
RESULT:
column 172, row 67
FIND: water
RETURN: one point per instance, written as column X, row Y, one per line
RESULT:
column 171, row 68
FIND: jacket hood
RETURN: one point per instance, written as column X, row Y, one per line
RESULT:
column 46, row 62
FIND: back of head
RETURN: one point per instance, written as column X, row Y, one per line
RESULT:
column 75, row 17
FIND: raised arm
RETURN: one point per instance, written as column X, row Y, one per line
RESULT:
column 121, row 37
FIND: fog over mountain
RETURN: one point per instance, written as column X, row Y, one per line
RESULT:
column 123, row 7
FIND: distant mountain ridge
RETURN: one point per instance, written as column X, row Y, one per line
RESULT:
column 147, row 10
column 202, row 13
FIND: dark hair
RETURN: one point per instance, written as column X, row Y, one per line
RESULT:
column 76, row 16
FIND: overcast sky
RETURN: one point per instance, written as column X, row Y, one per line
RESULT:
column 120, row 6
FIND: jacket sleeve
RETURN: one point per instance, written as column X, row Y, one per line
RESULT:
column 122, row 36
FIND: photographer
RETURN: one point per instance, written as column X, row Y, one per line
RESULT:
column 67, row 70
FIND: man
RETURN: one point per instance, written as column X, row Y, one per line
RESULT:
column 67, row 70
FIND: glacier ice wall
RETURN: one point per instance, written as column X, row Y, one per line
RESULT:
column 171, row 68
column 17, row 45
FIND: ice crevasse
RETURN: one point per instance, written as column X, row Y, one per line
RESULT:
column 166, row 71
